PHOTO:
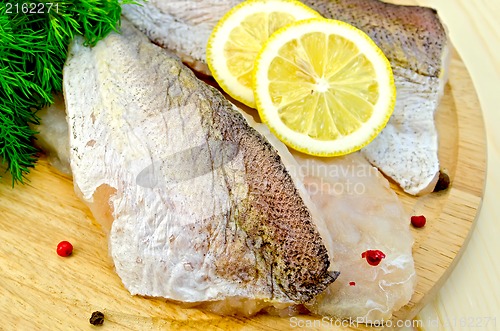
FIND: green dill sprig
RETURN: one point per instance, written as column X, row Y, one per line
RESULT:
column 33, row 49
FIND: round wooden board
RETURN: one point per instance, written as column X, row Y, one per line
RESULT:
column 41, row 291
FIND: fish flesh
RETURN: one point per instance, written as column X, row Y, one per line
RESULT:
column 413, row 39
column 362, row 213
column 186, row 222
column 239, row 229
column 52, row 134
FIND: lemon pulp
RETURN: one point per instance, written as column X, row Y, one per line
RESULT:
column 323, row 87
column 239, row 36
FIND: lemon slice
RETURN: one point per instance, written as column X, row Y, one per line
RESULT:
column 240, row 35
column 323, row 87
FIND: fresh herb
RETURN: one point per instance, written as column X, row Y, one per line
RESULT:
column 33, row 50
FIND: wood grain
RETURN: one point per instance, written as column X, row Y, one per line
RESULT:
column 472, row 289
column 42, row 291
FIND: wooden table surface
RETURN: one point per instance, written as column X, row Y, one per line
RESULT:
column 470, row 299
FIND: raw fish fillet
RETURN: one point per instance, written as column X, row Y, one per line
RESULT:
column 198, row 205
column 412, row 37
column 362, row 213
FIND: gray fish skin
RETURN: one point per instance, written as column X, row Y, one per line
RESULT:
column 412, row 37
column 182, row 26
column 240, row 230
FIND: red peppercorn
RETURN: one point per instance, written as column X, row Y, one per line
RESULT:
column 64, row 248
column 418, row 221
column 352, row 283
column 373, row 257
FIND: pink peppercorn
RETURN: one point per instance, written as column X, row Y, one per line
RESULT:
column 418, row 221
column 373, row 257
column 64, row 248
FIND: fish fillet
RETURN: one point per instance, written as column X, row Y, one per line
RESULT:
column 362, row 213
column 413, row 39
column 415, row 42
column 198, row 205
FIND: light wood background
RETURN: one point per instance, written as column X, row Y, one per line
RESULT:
column 470, row 299
column 40, row 290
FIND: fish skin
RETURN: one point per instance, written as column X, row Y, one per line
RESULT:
column 361, row 212
column 415, row 42
column 413, row 38
column 179, row 25
column 241, row 230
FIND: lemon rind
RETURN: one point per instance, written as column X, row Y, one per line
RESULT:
column 301, row 142
column 215, row 46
